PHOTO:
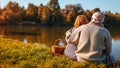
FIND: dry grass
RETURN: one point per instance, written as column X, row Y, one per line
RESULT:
column 16, row 54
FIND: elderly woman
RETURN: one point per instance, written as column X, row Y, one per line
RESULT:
column 71, row 48
column 93, row 41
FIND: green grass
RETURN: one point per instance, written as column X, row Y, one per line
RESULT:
column 16, row 54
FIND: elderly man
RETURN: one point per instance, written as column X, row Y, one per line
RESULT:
column 93, row 40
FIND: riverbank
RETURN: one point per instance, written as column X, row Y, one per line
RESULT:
column 14, row 53
column 33, row 23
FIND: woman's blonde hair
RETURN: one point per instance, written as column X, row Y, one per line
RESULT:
column 80, row 20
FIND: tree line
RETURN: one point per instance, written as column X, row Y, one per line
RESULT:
column 50, row 14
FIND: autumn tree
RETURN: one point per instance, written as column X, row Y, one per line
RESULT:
column 117, row 15
column 95, row 10
column 3, row 17
column 32, row 12
column 45, row 15
column 78, row 9
column 110, row 19
column 0, row 10
column 40, row 10
column 71, row 11
column 53, row 5
column 55, row 12
column 0, row 15
column 13, row 12
column 51, row 14
column 88, row 14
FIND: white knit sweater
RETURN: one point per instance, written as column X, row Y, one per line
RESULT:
column 93, row 42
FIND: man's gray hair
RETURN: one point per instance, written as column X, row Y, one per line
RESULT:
column 98, row 17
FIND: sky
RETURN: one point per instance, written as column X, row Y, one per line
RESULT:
column 104, row 5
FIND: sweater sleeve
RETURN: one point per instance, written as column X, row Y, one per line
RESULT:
column 74, row 38
column 68, row 33
column 108, row 44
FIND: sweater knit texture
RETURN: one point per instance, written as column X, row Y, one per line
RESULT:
column 93, row 42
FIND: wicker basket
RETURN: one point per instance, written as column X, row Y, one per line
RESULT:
column 57, row 49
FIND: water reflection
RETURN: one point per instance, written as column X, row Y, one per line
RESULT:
column 43, row 35
column 47, row 35
column 116, row 48
column 115, row 42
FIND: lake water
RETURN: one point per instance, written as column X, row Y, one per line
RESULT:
column 47, row 35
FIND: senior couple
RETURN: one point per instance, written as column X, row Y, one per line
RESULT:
column 89, row 42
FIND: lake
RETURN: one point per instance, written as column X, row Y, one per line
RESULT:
column 47, row 35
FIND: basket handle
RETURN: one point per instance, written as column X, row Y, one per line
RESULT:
column 56, row 42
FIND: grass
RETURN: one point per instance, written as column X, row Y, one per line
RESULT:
column 16, row 54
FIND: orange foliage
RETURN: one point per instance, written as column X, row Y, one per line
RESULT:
column 2, row 17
